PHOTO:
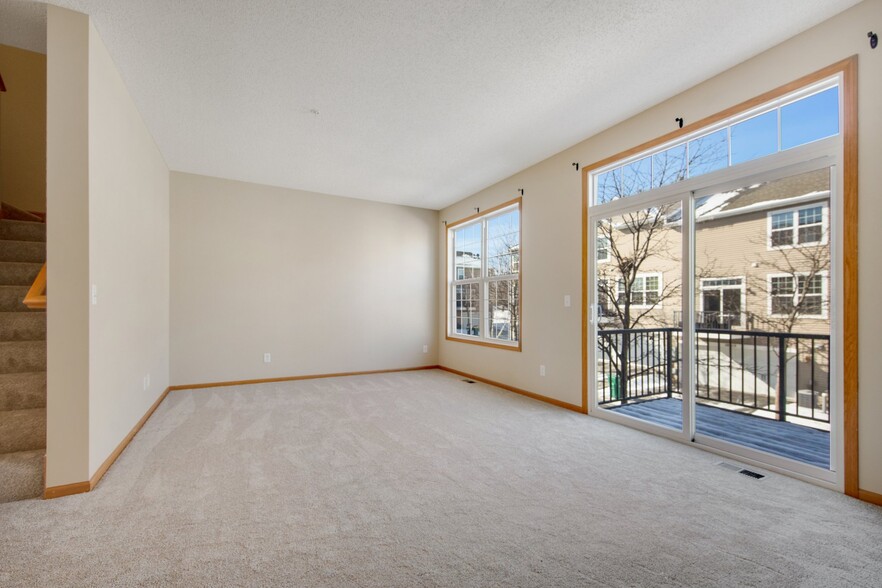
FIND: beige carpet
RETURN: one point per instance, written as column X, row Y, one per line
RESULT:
column 419, row 479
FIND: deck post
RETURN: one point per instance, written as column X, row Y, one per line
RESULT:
column 669, row 368
column 782, row 378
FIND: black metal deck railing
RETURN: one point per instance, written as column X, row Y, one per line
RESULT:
column 783, row 375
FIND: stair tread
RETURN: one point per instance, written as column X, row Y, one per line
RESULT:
column 23, row 390
column 22, row 356
column 22, row 326
column 21, row 475
column 11, row 298
column 27, row 251
column 22, row 430
column 19, row 273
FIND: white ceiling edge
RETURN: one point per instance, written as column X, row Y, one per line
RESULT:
column 420, row 103
column 23, row 25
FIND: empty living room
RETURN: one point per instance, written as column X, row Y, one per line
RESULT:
column 440, row 293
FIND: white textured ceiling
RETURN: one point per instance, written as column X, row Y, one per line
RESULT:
column 411, row 101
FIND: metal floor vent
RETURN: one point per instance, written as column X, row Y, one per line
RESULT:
column 469, row 381
column 751, row 474
column 741, row 470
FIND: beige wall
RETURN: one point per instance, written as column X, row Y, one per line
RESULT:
column 552, row 222
column 128, row 260
column 324, row 284
column 67, row 247
column 23, row 129
column 107, row 196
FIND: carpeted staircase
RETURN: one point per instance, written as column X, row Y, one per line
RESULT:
column 22, row 362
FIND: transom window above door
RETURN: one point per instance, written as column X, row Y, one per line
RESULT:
column 800, row 118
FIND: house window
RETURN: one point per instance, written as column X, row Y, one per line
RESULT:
column 800, row 294
column 602, row 249
column 645, row 292
column 798, row 226
column 485, row 286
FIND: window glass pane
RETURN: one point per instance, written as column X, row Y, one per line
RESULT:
column 637, row 177
column 812, row 234
column 503, row 244
column 467, row 301
column 669, row 166
column 809, row 216
column 602, row 249
column 467, row 254
column 755, row 137
column 812, row 118
column 782, row 220
column 609, row 186
column 708, row 153
column 503, row 309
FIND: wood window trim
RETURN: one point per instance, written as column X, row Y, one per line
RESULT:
column 449, row 281
column 847, row 69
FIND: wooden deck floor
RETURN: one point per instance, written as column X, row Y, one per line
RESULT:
column 790, row 440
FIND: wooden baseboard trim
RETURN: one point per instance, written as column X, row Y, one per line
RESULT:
column 125, row 442
column 528, row 394
column 66, row 490
column 870, row 497
column 88, row 486
column 294, row 378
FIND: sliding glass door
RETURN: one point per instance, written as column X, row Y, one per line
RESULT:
column 710, row 314
column 763, row 300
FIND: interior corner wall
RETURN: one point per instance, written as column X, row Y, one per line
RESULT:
column 551, row 238
column 128, row 260
column 67, row 248
column 324, row 284
column 23, row 129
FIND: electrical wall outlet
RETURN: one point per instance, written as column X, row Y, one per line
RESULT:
column 425, row 348
column 94, row 294
column 568, row 301
column 541, row 370
column 267, row 358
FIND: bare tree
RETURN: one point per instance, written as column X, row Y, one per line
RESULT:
column 633, row 241
column 796, row 286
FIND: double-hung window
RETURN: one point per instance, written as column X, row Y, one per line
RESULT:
column 798, row 226
column 645, row 291
column 484, row 288
column 803, row 294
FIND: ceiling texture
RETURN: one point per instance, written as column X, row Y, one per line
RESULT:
column 410, row 102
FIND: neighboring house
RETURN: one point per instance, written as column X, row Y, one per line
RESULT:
column 762, row 259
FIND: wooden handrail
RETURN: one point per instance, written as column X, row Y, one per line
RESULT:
column 36, row 296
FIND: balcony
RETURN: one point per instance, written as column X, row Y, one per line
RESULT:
column 767, row 391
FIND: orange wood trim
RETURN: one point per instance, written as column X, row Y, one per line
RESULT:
column 870, row 497
column 848, row 69
column 485, row 343
column 66, row 490
column 520, row 203
column 125, row 442
column 532, row 395
column 830, row 70
column 36, row 296
column 491, row 210
column 585, row 310
column 294, row 378
column 80, row 487
column 850, row 274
